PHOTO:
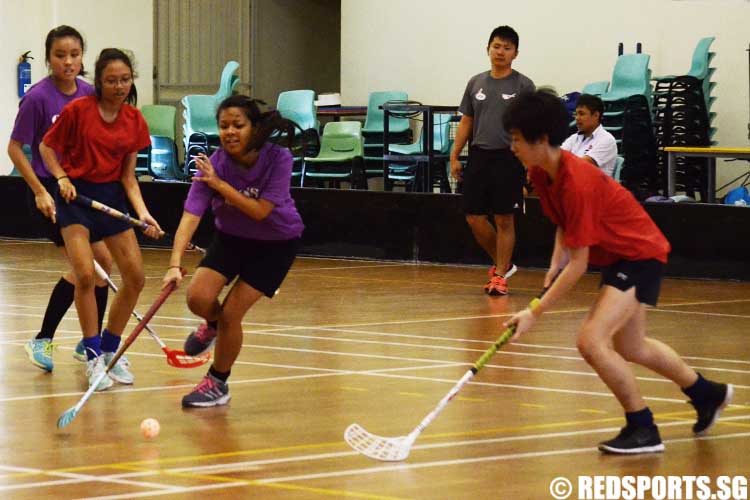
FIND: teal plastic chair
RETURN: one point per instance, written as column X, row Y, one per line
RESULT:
column 228, row 81
column 408, row 174
column 630, row 77
column 375, row 117
column 596, row 88
column 199, row 113
column 340, row 156
column 298, row 106
column 702, row 56
column 618, row 168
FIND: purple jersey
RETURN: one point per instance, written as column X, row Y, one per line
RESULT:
column 37, row 112
column 268, row 179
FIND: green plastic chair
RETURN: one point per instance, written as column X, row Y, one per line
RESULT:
column 160, row 119
column 340, row 156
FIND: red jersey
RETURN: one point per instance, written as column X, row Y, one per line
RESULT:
column 594, row 211
column 90, row 148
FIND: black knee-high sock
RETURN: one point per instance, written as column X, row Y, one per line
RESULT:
column 59, row 303
column 101, row 293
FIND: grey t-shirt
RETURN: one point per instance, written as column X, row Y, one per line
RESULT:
column 485, row 100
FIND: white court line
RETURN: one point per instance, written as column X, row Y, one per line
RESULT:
column 327, row 372
column 430, row 464
column 74, row 478
column 499, row 352
column 252, row 464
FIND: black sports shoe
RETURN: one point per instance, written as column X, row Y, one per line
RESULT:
column 709, row 409
column 200, row 340
column 634, row 440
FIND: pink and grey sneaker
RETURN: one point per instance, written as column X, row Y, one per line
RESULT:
column 200, row 340
column 209, row 392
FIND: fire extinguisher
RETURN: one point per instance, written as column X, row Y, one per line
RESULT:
column 24, row 73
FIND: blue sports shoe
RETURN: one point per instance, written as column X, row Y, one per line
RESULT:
column 40, row 353
column 80, row 352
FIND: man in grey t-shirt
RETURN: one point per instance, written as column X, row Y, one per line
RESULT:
column 493, row 179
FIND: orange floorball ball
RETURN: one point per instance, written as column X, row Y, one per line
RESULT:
column 150, row 428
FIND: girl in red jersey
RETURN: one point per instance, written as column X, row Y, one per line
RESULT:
column 97, row 139
column 600, row 222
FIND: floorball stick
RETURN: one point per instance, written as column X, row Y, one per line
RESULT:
column 175, row 357
column 71, row 413
column 396, row 449
column 88, row 202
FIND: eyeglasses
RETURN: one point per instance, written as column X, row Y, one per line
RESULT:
column 114, row 82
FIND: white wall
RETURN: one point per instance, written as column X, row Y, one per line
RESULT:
column 430, row 48
column 103, row 23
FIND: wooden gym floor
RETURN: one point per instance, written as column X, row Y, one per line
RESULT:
column 378, row 343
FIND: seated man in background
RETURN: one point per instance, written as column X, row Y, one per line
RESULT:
column 592, row 142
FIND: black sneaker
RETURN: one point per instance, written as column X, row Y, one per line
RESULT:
column 709, row 409
column 210, row 392
column 200, row 340
column 634, row 440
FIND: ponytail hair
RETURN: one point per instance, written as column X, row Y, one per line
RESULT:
column 265, row 124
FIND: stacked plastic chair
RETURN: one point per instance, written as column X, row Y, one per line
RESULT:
column 373, row 130
column 627, row 116
column 298, row 106
column 683, row 117
column 200, row 133
column 411, row 173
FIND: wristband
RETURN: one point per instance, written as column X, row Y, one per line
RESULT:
column 62, row 177
column 171, row 267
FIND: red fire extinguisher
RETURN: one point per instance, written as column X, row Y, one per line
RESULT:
column 24, row 73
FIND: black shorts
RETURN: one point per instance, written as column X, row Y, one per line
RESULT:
column 51, row 230
column 99, row 224
column 262, row 264
column 644, row 275
column 493, row 182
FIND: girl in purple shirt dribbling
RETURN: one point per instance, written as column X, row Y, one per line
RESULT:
column 258, row 229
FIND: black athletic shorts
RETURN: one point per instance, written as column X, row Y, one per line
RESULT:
column 644, row 275
column 51, row 230
column 99, row 224
column 492, row 182
column 262, row 264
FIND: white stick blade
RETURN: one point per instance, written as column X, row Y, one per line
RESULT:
column 377, row 447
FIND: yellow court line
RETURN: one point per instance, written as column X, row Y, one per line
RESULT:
column 499, row 430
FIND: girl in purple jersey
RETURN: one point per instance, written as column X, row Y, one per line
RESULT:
column 258, row 229
column 38, row 110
